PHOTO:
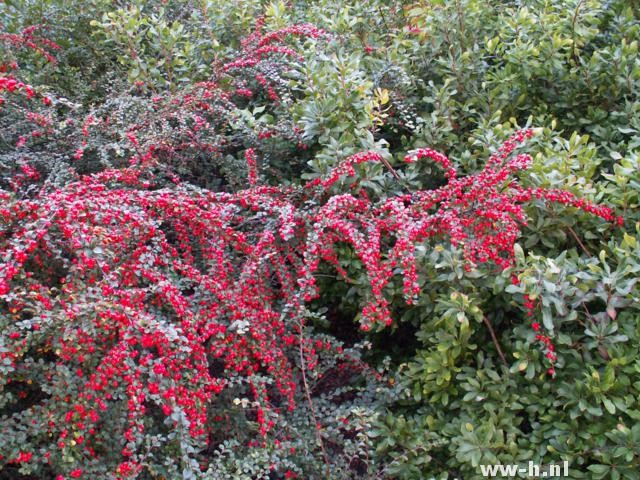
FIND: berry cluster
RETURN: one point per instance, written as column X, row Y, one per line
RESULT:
column 137, row 289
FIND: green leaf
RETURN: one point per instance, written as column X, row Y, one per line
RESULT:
column 599, row 470
column 608, row 404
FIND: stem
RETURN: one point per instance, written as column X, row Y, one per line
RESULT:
column 577, row 239
column 495, row 339
column 574, row 54
column 307, row 392
column 461, row 26
column 390, row 168
column 386, row 37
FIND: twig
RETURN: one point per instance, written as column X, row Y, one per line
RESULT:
column 577, row 239
column 495, row 339
column 391, row 169
column 574, row 55
column 307, row 392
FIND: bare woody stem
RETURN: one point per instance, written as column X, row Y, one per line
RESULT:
column 307, row 391
column 577, row 239
column 495, row 340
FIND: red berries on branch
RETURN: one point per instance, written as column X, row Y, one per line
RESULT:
column 252, row 166
column 131, row 251
column 29, row 38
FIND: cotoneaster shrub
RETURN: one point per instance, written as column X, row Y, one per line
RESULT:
column 129, row 303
